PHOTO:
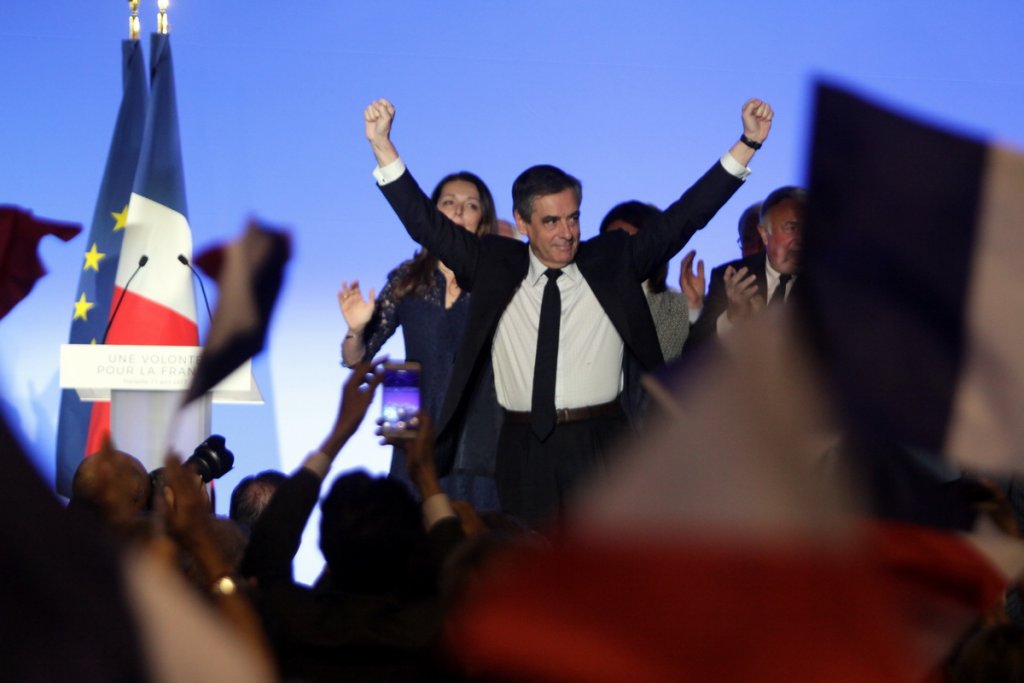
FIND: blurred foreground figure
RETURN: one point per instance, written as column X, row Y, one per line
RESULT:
column 20, row 266
column 111, row 483
column 77, row 607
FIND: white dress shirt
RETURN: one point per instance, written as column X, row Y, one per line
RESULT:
column 589, row 348
column 772, row 277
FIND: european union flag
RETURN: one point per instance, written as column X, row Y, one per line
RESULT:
column 92, row 301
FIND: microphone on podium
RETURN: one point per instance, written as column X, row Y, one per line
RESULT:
column 184, row 260
column 143, row 260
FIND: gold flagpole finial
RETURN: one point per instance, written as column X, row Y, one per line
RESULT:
column 161, row 18
column 133, row 20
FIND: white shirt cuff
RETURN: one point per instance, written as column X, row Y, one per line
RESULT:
column 436, row 508
column 393, row 171
column 695, row 314
column 733, row 167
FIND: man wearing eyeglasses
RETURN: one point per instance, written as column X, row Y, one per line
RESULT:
column 743, row 287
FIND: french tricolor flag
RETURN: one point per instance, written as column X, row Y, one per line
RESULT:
column 159, row 307
column 913, row 287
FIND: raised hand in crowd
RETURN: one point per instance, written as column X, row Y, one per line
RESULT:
column 691, row 282
column 378, row 593
column 357, row 312
column 419, row 456
column 276, row 537
column 741, row 291
column 356, row 397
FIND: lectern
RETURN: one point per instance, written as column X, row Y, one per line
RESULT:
column 145, row 386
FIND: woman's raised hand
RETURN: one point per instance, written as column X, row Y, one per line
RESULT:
column 356, row 310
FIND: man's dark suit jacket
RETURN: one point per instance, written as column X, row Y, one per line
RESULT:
column 613, row 264
column 716, row 302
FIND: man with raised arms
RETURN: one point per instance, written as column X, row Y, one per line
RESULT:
column 564, row 322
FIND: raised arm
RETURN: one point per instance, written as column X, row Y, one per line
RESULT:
column 664, row 238
column 379, row 116
column 356, row 397
column 757, row 123
column 454, row 246
column 443, row 525
column 278, row 532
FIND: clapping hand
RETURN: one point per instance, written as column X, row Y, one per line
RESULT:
column 692, row 282
column 742, row 293
column 356, row 310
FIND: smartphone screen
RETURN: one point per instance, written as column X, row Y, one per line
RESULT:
column 400, row 399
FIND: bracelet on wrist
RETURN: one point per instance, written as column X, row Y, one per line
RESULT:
column 752, row 144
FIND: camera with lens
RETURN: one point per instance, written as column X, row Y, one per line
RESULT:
column 211, row 459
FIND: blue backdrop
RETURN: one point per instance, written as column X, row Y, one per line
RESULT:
column 637, row 101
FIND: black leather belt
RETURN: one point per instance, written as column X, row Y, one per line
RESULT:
column 563, row 415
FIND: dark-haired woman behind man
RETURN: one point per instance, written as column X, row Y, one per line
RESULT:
column 422, row 296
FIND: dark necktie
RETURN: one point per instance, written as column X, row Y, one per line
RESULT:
column 779, row 295
column 545, row 366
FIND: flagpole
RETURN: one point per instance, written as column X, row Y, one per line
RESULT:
column 162, row 26
column 134, row 26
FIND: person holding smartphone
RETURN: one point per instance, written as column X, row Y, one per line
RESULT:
column 423, row 297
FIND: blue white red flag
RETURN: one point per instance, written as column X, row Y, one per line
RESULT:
column 160, row 307
column 913, row 281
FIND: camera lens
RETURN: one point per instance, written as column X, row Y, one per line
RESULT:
column 211, row 459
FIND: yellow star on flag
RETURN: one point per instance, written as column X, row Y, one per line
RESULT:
column 93, row 258
column 82, row 308
column 121, row 218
